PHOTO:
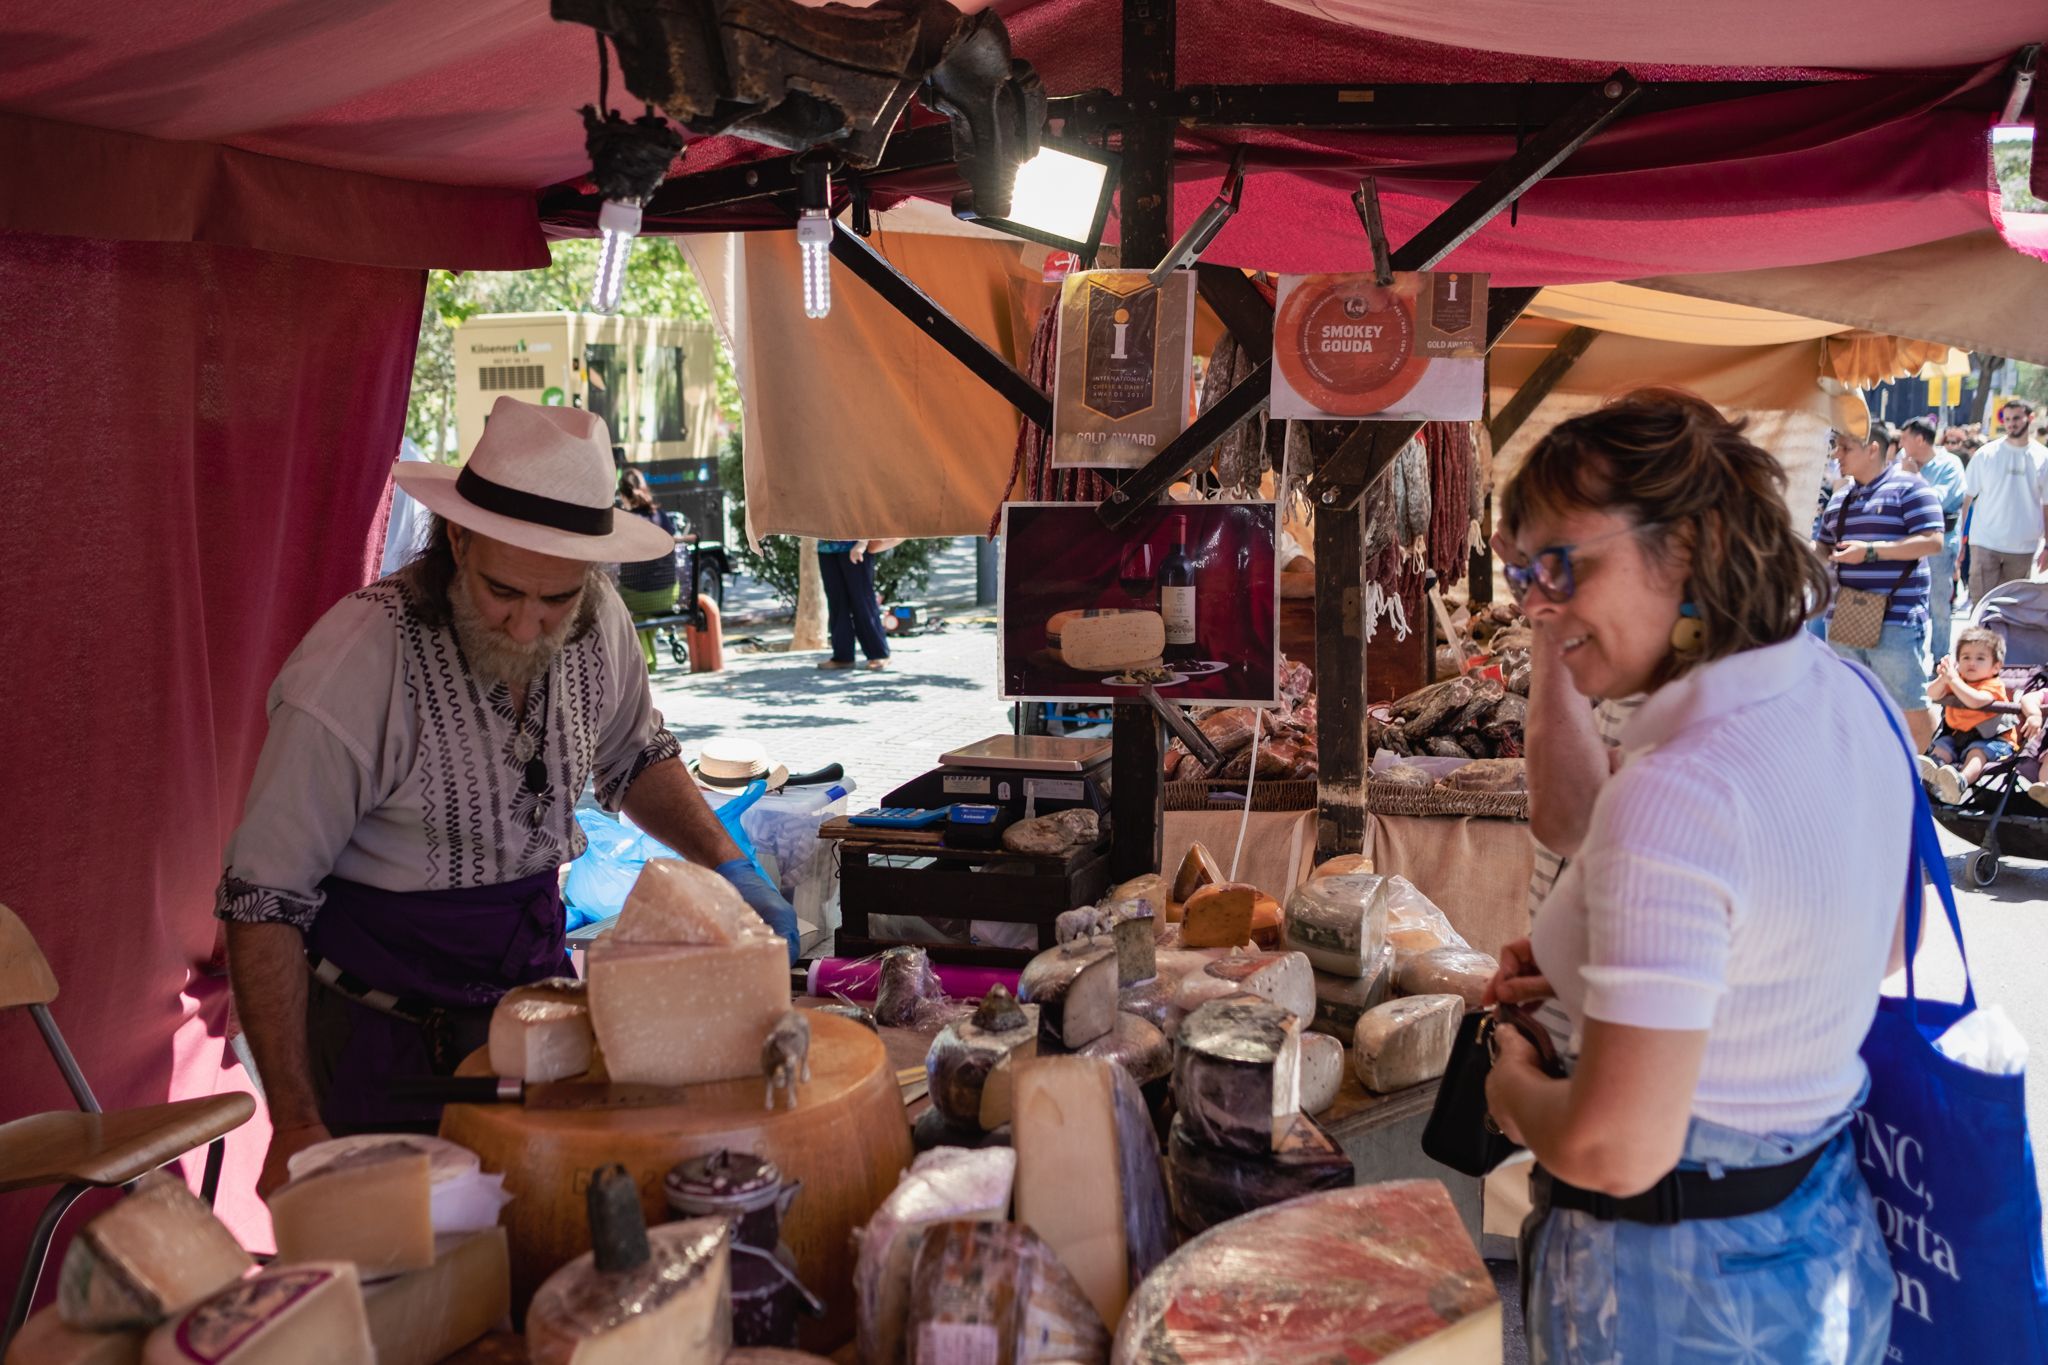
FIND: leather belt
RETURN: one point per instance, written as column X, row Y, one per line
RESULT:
column 1683, row 1195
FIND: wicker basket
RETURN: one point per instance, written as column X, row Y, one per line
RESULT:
column 1217, row 793
column 1396, row 798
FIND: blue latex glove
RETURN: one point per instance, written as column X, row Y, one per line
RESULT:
column 763, row 899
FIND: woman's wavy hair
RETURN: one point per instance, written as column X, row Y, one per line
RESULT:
column 1668, row 458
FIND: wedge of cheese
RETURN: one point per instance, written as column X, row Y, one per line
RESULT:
column 1285, row 979
column 1198, row 868
column 1075, row 990
column 995, row 1292
column 1342, row 1000
column 1237, row 1074
column 679, row 1014
column 373, row 1207
column 307, row 1314
column 1322, row 1071
column 944, row 1184
column 428, row 1315
column 45, row 1339
column 1405, row 1042
column 155, row 1252
column 542, row 1032
column 463, row 1198
column 677, row 902
column 673, row 1309
column 1104, row 640
column 1219, row 916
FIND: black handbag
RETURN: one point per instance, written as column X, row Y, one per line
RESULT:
column 1461, row 1133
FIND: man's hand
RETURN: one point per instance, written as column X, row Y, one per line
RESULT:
column 763, row 899
column 286, row 1142
column 1519, row 981
column 1849, row 552
column 2041, row 560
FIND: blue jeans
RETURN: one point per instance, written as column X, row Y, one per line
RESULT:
column 1899, row 659
column 1806, row 1283
column 1941, row 604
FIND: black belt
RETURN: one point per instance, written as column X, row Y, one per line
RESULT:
column 1685, row 1195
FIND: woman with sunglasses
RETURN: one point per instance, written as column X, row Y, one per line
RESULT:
column 1718, row 940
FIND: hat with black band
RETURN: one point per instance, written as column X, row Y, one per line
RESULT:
column 540, row 478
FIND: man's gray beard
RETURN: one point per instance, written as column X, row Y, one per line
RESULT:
column 493, row 655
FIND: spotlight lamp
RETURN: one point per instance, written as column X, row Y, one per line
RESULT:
column 1060, row 197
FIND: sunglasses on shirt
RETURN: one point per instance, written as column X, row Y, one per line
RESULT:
column 1550, row 568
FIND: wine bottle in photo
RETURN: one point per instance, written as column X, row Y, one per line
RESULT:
column 1177, row 597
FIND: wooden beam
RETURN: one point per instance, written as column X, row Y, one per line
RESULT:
column 1340, row 681
column 1538, row 385
column 1143, row 486
column 1239, row 305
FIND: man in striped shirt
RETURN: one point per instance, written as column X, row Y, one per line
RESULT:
column 1879, row 529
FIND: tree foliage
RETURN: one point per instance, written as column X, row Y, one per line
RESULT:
column 2014, row 161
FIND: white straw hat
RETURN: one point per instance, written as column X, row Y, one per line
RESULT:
column 540, row 478
column 728, row 762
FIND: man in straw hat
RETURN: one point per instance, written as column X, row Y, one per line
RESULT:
column 396, row 868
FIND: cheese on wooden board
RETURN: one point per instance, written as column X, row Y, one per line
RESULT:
column 1141, row 1048
column 1105, row 639
column 1219, row 916
column 310, row 1314
column 1268, row 922
column 542, row 1032
column 965, row 1054
column 1075, row 989
column 1463, row 972
column 1375, row 1273
column 464, row 1197
column 373, row 1207
column 1340, row 922
column 1198, row 868
column 677, row 902
column 1342, row 1000
column 1285, row 979
column 942, row 1185
column 1088, row 1174
column 1212, row 1185
column 1322, row 1071
column 1405, row 1042
column 46, row 1339
column 1237, row 1073
column 675, row 1014
column 428, row 1315
column 1344, row 864
column 996, row 1294
column 146, row 1257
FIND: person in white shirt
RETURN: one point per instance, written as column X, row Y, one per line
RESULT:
column 2006, row 503
column 1718, row 939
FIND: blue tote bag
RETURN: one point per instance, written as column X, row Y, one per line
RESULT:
column 1944, row 1148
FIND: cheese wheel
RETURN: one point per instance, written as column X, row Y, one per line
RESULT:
column 1406, row 1042
column 1219, row 916
column 1237, row 1074
column 1212, row 1185
column 309, row 1314
column 1103, row 640
column 1075, row 990
column 1339, row 921
column 542, row 1032
column 677, row 902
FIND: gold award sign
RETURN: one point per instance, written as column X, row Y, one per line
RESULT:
column 1120, row 386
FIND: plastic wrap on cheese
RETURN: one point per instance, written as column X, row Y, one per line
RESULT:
column 996, row 1294
column 942, row 1184
column 1415, row 924
column 1344, row 1277
column 1339, row 922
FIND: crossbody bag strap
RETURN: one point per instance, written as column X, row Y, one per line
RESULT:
column 1842, row 519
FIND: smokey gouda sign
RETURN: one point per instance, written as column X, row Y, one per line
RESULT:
column 1346, row 347
column 1120, row 385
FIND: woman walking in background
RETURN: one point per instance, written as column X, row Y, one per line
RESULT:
column 848, row 568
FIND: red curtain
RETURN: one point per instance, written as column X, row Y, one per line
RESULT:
column 196, row 467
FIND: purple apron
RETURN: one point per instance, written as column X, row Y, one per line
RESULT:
column 447, row 956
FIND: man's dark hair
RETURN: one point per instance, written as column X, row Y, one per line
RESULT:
column 427, row 576
column 2022, row 404
column 1920, row 427
column 1881, row 433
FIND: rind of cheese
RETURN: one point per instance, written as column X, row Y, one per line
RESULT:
column 145, row 1258
column 1143, row 896
column 671, row 1014
column 1339, row 921
column 1237, row 1074
column 676, row 1309
column 1344, row 864
column 1342, row 1000
column 944, row 1184
column 542, row 1032
column 428, row 1315
column 996, row 1292
column 1322, row 1071
column 46, row 1339
column 1268, row 922
column 1198, row 868
column 1137, row 946
column 1137, row 1045
column 1104, row 640
column 1075, row 990
column 307, row 1314
column 1405, row 1042
column 1212, row 1185
column 1088, row 1174
column 963, row 1058
column 1463, row 972
column 1285, row 979
column 677, row 902
column 1219, row 916
column 372, row 1207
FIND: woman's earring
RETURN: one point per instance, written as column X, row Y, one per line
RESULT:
column 1689, row 636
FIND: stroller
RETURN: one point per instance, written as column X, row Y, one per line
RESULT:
column 1996, row 814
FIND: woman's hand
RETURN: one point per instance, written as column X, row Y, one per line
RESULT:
column 1519, row 981
column 1510, row 1051
column 858, row 552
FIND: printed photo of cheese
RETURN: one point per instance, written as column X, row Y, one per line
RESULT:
column 1098, row 641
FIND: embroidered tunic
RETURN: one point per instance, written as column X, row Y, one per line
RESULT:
column 390, row 764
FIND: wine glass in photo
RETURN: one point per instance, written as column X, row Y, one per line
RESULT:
column 1137, row 574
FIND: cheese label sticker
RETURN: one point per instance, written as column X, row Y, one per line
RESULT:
column 958, row 1343
column 1124, row 366
column 1345, row 346
column 218, row 1328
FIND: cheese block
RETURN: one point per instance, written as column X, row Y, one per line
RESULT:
column 1344, row 864
column 1286, row 979
column 1463, row 972
column 773, row 1355
column 1055, row 835
column 675, row 1014
column 462, row 1196
column 1153, row 1001
column 640, row 1296
column 1149, row 894
column 1075, row 989
column 965, row 1054
column 1340, row 922
column 1342, row 1000
column 1237, row 1074
column 308, row 1314
column 425, row 1316
column 1104, row 640
column 1212, row 1184
column 677, row 902
column 1088, row 1174
column 1141, row 1048
column 46, row 1339
column 542, row 1032
column 1268, row 922
column 1137, row 945
column 372, row 1206
column 996, row 1294
column 1370, row 1274
column 1322, row 1071
column 1198, row 868
column 942, row 1185
column 1405, row 1042
column 146, row 1257
column 1219, row 916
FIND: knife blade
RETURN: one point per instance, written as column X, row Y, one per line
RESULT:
column 533, row 1094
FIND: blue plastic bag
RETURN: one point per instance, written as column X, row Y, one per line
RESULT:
column 600, row 880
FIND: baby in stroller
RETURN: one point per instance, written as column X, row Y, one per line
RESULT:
column 1978, row 725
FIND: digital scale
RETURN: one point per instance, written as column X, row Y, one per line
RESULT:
column 1025, row 775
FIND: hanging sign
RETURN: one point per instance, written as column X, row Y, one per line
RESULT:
column 1345, row 347
column 1126, row 354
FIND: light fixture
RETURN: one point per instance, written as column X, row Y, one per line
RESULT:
column 617, row 225
column 1207, row 223
column 628, row 160
column 814, row 232
column 1061, row 197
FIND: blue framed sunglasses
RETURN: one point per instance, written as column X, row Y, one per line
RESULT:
column 1550, row 568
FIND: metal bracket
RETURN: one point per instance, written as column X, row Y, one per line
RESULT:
column 2025, row 62
column 1207, row 224
column 1366, row 199
column 1183, row 729
column 964, row 346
